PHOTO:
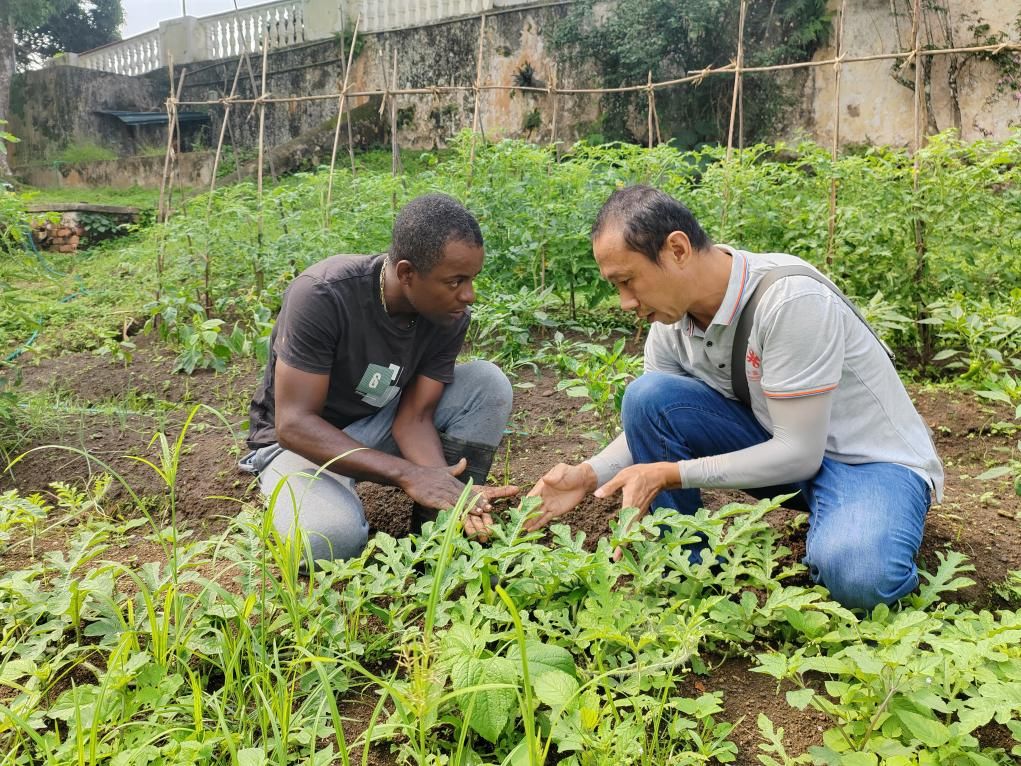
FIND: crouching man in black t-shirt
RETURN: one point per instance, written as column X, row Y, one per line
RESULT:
column 362, row 379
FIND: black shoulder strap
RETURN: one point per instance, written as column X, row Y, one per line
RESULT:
column 738, row 378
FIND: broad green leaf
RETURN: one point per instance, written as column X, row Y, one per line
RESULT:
column 928, row 731
column 543, row 658
column 252, row 756
column 995, row 473
column 490, row 708
column 801, row 698
column 859, row 759
column 556, row 689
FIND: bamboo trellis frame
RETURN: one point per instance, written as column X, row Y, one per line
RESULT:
column 659, row 85
column 554, row 92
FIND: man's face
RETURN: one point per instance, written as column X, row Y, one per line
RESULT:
column 655, row 292
column 444, row 294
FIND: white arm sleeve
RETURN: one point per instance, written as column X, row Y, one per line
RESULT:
column 800, row 428
column 614, row 457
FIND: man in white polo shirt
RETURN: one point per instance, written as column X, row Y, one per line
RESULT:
column 828, row 415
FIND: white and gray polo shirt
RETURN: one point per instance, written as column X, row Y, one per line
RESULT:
column 804, row 340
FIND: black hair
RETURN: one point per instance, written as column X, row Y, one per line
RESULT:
column 425, row 225
column 647, row 216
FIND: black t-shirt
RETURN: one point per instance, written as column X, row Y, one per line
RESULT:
column 332, row 322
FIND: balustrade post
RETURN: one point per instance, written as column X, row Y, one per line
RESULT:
column 183, row 40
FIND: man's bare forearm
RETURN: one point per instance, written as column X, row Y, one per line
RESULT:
column 419, row 442
column 324, row 444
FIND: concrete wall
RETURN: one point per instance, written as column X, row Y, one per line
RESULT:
column 56, row 106
column 194, row 169
column 53, row 108
column 876, row 109
column 438, row 54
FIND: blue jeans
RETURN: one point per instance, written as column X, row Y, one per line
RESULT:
column 865, row 521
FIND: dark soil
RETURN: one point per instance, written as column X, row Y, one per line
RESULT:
column 111, row 411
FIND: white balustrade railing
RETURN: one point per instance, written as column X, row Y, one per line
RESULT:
column 282, row 22
column 231, row 33
column 136, row 55
column 379, row 15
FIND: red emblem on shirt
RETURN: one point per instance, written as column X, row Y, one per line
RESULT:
column 753, row 359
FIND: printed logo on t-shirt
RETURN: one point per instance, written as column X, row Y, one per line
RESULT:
column 375, row 386
column 753, row 366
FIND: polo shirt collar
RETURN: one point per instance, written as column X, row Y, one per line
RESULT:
column 737, row 292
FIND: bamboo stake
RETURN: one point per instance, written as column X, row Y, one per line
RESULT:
column 738, row 62
column 924, row 334
column 223, row 131
column 206, row 259
column 259, row 276
column 347, row 69
column 552, row 90
column 477, row 87
column 395, row 160
column 831, row 237
column 737, row 79
column 342, row 102
column 649, row 108
column 251, row 76
column 162, row 213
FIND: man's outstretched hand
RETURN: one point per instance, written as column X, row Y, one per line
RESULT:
column 639, row 485
column 561, row 489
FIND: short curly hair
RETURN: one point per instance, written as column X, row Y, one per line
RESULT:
column 425, row 225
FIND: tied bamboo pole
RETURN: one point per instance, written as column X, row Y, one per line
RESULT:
column 925, row 336
column 738, row 63
column 395, row 150
column 651, row 107
column 832, row 233
column 341, row 104
column 552, row 90
column 173, row 100
column 206, row 258
column 477, row 87
column 162, row 213
column 260, row 277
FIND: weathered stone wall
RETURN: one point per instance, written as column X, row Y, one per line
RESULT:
column 56, row 107
column 444, row 53
column 876, row 109
column 194, row 169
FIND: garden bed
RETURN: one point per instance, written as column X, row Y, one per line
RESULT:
column 112, row 410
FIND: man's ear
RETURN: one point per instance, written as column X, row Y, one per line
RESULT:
column 405, row 270
column 678, row 247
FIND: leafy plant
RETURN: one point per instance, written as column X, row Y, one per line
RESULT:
column 671, row 39
column 600, row 375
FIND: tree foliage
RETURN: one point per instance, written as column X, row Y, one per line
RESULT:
column 674, row 38
column 72, row 26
